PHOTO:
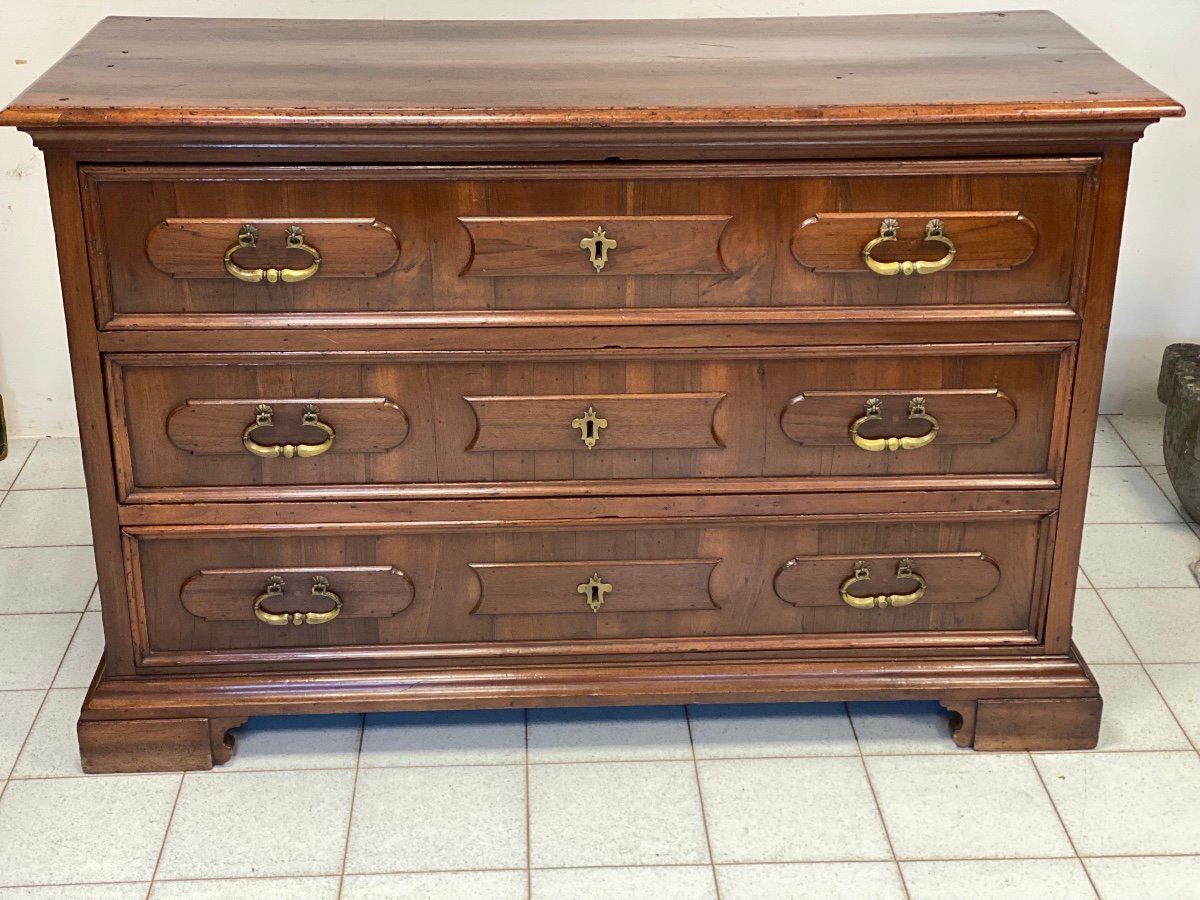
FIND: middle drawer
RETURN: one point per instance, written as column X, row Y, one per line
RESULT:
column 536, row 421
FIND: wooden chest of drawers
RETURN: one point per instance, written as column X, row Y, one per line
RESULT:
column 444, row 365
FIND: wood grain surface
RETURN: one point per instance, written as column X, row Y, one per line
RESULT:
column 957, row 67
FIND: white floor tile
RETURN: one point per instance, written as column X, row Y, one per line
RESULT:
column 641, row 883
column 297, row 742
column 130, row 891
column 791, row 810
column 966, row 807
column 1127, row 495
column 1146, row 878
column 471, row 737
column 811, row 881
column 1180, row 687
column 437, row 818
column 1144, row 435
column 615, row 814
column 1127, row 803
column 248, row 889
column 1163, row 480
column 891, row 727
column 1000, row 879
column 783, row 729
column 83, row 656
column 1110, row 448
column 1162, row 625
column 65, row 830
column 18, row 452
column 1096, row 634
column 243, row 824
column 54, row 463
column 1135, row 716
column 31, row 647
column 1132, row 556
column 94, row 602
column 510, row 885
column 608, row 733
column 46, row 579
column 45, row 519
column 52, row 748
column 17, row 712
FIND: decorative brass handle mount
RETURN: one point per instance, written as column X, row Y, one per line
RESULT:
column 888, row 229
column 320, row 588
column 874, row 411
column 248, row 237
column 264, row 417
column 597, row 244
column 589, row 425
column 871, row 601
column 593, row 591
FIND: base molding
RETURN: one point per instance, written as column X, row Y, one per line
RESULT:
column 157, row 723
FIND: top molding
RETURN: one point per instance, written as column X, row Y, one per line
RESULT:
column 307, row 75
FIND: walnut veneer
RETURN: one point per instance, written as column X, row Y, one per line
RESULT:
column 445, row 364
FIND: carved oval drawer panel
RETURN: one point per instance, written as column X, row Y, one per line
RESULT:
column 371, row 244
column 581, row 587
column 385, row 426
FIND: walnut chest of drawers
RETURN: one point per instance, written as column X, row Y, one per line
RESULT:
column 445, row 365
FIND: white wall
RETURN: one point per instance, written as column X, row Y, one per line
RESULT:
column 1158, row 290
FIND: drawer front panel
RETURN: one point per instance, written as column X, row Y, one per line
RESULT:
column 530, row 241
column 437, row 590
column 203, row 421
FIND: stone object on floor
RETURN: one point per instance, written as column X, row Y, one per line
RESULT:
column 1179, row 389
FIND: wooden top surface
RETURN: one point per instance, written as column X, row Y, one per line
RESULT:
column 960, row 67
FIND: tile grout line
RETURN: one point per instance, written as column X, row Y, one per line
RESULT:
column 162, row 845
column 8, row 490
column 528, row 816
column 41, row 706
column 217, row 773
column 1062, row 824
column 862, row 761
column 712, row 859
column 362, row 735
column 1141, row 663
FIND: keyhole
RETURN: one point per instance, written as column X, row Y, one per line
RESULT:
column 597, row 249
column 591, row 432
column 595, row 598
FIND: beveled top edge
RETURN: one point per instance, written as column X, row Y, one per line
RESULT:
column 959, row 67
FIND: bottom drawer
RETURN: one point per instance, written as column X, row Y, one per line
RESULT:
column 405, row 593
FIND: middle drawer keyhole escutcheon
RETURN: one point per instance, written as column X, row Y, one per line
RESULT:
column 589, row 425
column 593, row 591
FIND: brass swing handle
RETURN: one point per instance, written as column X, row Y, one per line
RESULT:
column 264, row 417
column 874, row 412
column 320, row 588
column 248, row 237
column 871, row 601
column 888, row 229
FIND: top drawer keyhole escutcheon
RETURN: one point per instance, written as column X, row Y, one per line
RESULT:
column 597, row 244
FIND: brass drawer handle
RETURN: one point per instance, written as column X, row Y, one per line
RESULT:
column 880, row 601
column 248, row 237
column 888, row 229
column 593, row 591
column 874, row 411
column 320, row 588
column 597, row 244
column 264, row 417
column 589, row 425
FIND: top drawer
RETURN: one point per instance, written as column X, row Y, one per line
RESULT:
column 175, row 247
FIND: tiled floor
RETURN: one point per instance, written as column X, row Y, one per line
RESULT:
column 867, row 801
